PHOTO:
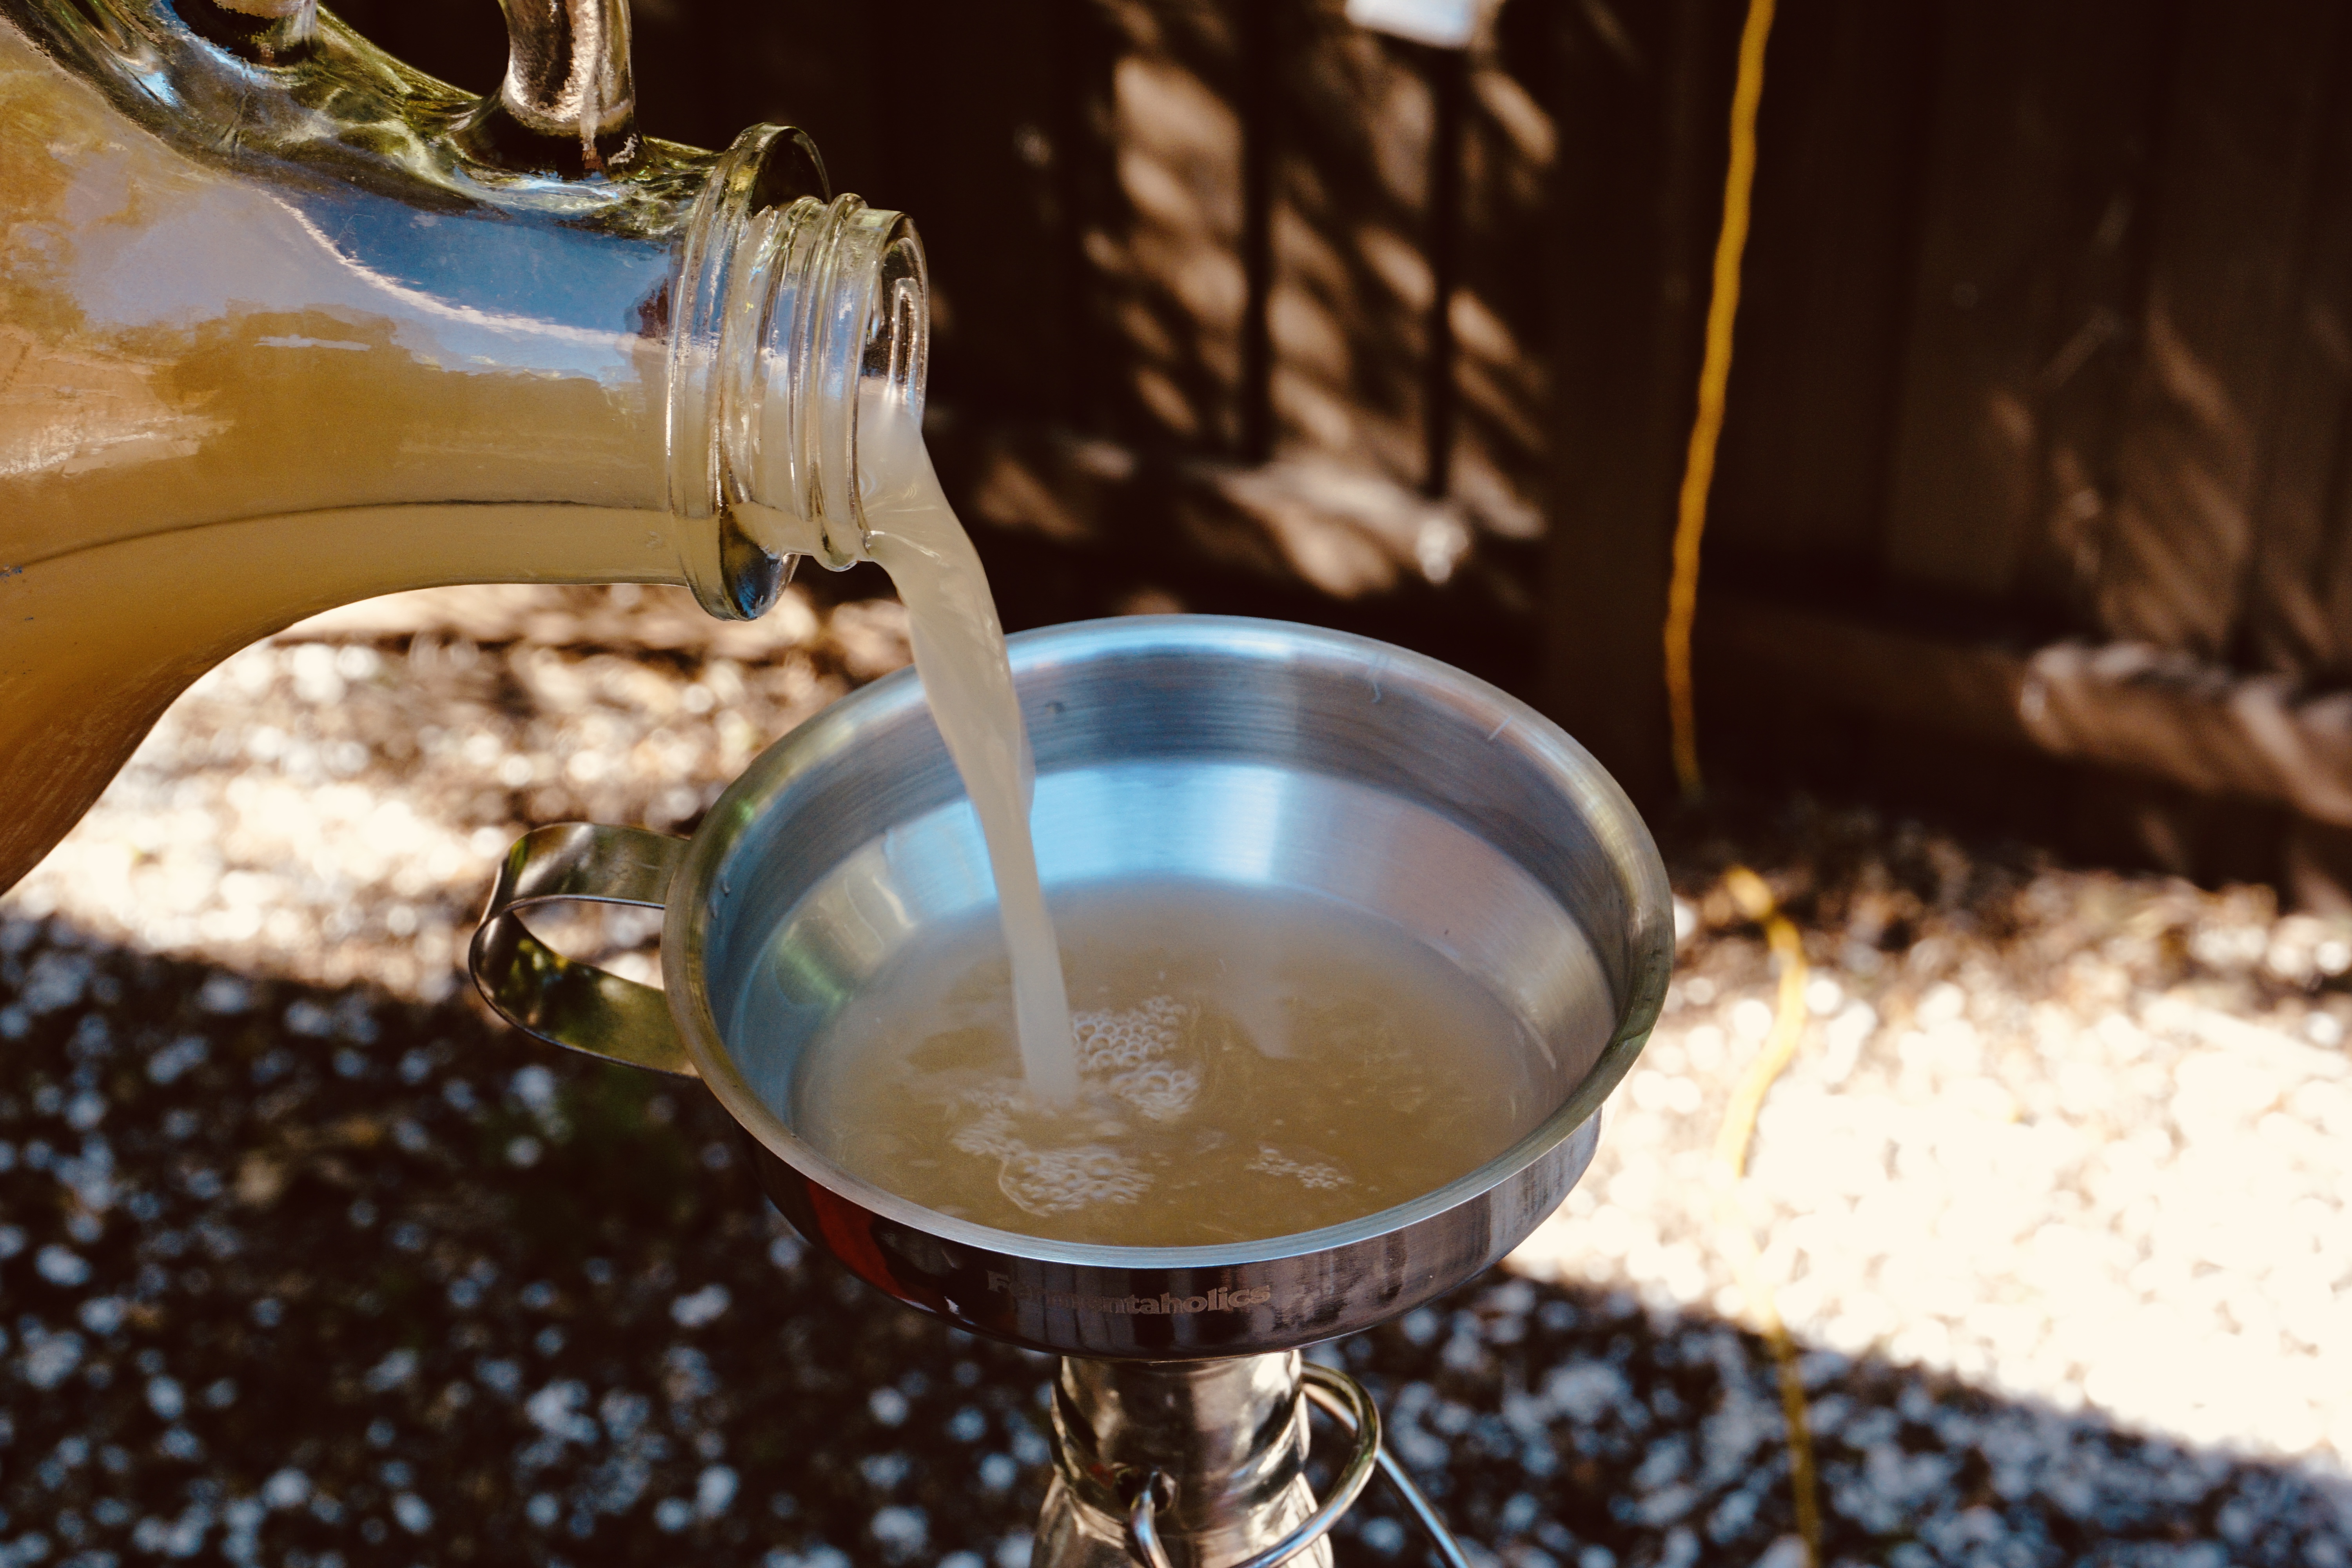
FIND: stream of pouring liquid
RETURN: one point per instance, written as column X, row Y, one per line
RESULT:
column 967, row 681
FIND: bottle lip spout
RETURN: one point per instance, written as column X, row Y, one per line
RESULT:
column 846, row 342
column 793, row 315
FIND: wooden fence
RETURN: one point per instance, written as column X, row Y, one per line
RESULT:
column 2032, row 500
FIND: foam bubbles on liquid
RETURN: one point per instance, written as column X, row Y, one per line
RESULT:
column 1313, row 1173
column 1111, row 1038
column 1122, row 1058
column 1064, row 1181
column 1125, row 1050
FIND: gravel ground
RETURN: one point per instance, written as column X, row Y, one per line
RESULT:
column 2072, row 1136
column 304, row 1262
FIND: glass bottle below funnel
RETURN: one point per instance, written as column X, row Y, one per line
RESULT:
column 285, row 324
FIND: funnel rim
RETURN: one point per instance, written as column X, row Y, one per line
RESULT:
column 889, row 699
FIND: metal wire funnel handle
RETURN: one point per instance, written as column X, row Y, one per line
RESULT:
column 1348, row 1402
column 546, row 994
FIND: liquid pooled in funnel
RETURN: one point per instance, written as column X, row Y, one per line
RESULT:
column 1250, row 1064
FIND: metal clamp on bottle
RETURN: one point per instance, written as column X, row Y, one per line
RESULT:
column 1347, row 1401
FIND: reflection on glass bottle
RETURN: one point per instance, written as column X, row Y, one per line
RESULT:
column 284, row 323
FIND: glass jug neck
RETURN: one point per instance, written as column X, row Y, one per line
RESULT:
column 796, row 323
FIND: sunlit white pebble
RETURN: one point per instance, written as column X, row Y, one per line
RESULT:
column 901, row 1529
column 396, row 1368
column 1823, row 995
column 1922, row 1341
column 700, row 1307
column 60, row 1268
column 1681, row 1269
column 1944, row 1003
column 1660, row 1092
column 714, row 1491
column 1844, row 1036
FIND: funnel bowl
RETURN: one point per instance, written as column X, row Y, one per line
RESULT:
column 1206, row 749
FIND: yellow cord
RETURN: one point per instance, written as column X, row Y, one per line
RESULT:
column 1713, row 376
column 1731, row 1143
column 1754, row 899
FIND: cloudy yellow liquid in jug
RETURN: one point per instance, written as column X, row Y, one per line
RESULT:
column 1251, row 1064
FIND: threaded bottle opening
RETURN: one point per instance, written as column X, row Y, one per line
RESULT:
column 845, row 341
column 795, row 320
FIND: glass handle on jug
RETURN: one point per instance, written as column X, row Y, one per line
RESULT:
column 556, row 999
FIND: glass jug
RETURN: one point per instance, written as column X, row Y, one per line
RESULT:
column 285, row 323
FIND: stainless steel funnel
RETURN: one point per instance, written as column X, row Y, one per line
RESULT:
column 1227, row 751
column 1168, row 746
column 1224, row 750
